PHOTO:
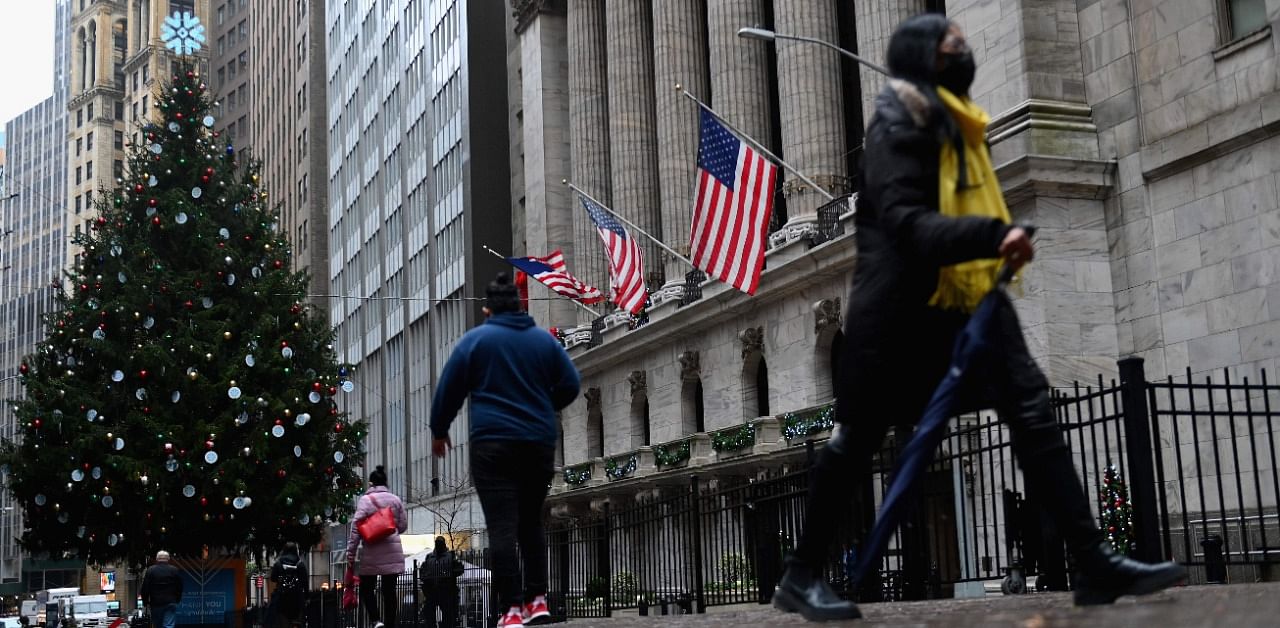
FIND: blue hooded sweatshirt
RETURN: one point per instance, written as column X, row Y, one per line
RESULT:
column 517, row 376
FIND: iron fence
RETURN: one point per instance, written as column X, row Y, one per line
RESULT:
column 1198, row 458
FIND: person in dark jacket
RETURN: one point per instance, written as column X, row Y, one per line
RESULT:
column 289, row 574
column 439, row 574
column 517, row 377
column 161, row 591
column 932, row 229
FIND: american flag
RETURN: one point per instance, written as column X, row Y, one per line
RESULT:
column 732, row 208
column 626, row 262
column 550, row 271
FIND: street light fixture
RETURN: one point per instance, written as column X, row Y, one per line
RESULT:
column 762, row 34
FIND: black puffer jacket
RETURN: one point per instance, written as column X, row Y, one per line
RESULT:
column 896, row 347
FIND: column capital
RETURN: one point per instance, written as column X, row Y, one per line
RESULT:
column 526, row 11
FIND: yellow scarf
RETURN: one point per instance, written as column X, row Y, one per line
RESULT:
column 962, row 286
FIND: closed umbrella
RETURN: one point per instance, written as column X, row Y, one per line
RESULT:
column 977, row 340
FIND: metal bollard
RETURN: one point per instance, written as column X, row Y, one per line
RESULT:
column 1215, row 566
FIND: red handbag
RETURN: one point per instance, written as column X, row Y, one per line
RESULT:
column 379, row 525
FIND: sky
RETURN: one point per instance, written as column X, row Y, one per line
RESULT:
column 26, row 55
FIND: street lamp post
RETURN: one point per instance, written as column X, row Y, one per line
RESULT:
column 768, row 35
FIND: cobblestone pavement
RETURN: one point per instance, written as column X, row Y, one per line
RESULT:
column 1232, row 606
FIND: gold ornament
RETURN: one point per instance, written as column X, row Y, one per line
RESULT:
column 226, row 335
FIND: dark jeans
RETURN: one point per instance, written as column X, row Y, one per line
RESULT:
column 1006, row 379
column 512, row 478
column 369, row 598
column 446, row 599
column 164, row 616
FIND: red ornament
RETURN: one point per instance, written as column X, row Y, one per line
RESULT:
column 138, row 188
column 155, row 220
column 204, row 501
column 23, row 368
column 152, row 202
column 142, row 374
column 295, row 308
column 337, row 427
column 187, row 304
column 178, row 115
column 37, row 423
column 315, row 386
column 208, row 444
column 204, row 178
column 168, row 448
column 280, row 473
column 279, row 422
column 278, row 264
column 333, row 390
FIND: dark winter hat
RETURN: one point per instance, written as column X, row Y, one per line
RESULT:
column 502, row 296
column 913, row 48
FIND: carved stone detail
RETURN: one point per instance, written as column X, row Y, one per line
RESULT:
column 690, row 366
column 638, row 382
column 827, row 314
column 526, row 11
column 593, row 397
column 752, row 341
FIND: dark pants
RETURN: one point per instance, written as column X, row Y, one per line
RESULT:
column 1006, row 379
column 512, row 478
column 369, row 598
column 444, row 598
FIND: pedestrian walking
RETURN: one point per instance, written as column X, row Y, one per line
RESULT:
column 932, row 227
column 162, row 591
column 375, row 531
column 517, row 377
column 439, row 573
column 289, row 574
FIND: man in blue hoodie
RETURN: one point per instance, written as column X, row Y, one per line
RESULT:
column 517, row 377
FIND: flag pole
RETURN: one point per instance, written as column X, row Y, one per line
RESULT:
column 593, row 313
column 758, row 146
column 630, row 224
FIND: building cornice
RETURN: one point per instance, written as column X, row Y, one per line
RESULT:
column 526, row 11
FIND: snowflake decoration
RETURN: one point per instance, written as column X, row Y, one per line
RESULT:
column 182, row 33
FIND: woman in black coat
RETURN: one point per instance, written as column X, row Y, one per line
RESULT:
column 897, row 346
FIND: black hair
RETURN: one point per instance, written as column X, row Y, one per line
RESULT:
column 290, row 548
column 378, row 477
column 501, row 296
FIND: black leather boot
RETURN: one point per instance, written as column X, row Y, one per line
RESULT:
column 1103, row 575
column 803, row 590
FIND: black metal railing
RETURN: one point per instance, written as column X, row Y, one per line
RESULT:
column 1198, row 458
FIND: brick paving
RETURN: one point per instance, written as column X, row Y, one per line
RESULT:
column 1234, row 606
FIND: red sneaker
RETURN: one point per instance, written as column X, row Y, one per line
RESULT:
column 512, row 619
column 536, row 612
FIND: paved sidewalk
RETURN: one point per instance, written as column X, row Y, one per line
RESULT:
column 1232, row 606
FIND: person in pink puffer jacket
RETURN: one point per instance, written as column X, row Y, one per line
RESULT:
column 382, row 560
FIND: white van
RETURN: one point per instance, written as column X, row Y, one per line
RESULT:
column 90, row 610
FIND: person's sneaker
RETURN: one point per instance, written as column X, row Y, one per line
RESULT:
column 536, row 612
column 513, row 618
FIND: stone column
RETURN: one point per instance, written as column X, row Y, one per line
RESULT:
column 544, row 90
column 588, row 135
column 679, row 56
column 134, row 28
column 633, row 139
column 739, row 72
column 811, row 106
column 876, row 20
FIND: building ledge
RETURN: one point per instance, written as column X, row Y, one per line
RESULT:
column 1029, row 176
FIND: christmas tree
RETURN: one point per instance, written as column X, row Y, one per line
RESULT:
column 184, row 395
column 1117, row 512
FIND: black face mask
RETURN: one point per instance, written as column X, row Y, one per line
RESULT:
column 957, row 72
